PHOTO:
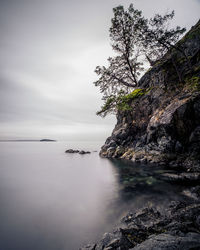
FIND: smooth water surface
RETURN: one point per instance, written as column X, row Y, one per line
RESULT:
column 56, row 201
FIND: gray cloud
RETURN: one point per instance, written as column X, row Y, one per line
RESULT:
column 48, row 52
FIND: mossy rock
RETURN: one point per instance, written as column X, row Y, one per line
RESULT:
column 124, row 102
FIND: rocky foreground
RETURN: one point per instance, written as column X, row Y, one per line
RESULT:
column 178, row 227
column 162, row 127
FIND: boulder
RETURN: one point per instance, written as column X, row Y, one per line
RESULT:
column 167, row 242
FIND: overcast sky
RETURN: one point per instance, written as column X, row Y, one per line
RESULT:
column 48, row 52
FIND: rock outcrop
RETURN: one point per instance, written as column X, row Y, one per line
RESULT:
column 178, row 227
column 163, row 125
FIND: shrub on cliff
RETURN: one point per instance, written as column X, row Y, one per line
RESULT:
column 121, row 102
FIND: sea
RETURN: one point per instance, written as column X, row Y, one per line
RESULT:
column 51, row 200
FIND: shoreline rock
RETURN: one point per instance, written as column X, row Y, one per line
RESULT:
column 178, row 227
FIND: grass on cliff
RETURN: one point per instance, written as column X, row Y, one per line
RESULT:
column 121, row 102
column 193, row 83
column 124, row 102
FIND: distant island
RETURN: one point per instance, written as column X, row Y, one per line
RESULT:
column 47, row 140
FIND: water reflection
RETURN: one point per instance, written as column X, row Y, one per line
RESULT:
column 51, row 200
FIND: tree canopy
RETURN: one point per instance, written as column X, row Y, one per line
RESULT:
column 135, row 39
column 158, row 38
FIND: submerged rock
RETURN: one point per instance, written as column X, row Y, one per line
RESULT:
column 184, row 178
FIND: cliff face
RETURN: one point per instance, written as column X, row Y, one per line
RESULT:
column 163, row 125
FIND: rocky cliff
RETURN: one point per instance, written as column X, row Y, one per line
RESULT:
column 163, row 125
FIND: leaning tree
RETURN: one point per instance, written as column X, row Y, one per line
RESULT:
column 123, row 70
column 134, row 38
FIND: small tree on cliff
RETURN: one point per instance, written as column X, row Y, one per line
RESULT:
column 133, row 38
column 123, row 70
column 125, row 34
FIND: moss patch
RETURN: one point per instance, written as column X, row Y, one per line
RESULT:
column 124, row 102
column 193, row 83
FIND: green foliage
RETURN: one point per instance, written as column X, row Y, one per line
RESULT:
column 194, row 83
column 197, row 68
column 108, row 107
column 125, row 101
column 121, row 102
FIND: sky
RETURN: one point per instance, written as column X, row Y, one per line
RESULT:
column 48, row 52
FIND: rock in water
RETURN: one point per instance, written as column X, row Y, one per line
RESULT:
column 71, row 151
column 81, row 152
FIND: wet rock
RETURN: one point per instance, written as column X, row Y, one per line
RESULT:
column 168, row 242
column 89, row 247
column 177, row 227
column 184, row 178
column 143, row 218
column 193, row 193
column 82, row 152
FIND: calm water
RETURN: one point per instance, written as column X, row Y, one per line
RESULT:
column 50, row 200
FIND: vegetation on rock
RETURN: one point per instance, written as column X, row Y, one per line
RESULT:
column 121, row 102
